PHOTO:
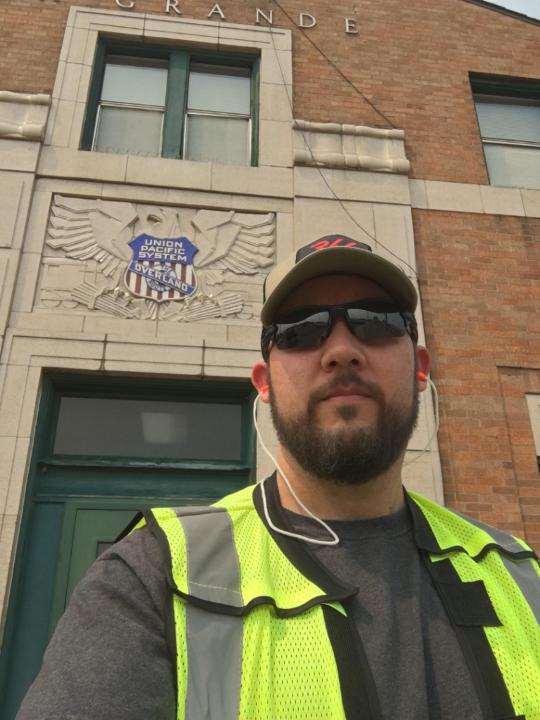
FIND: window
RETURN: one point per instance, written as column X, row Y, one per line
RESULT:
column 132, row 107
column 533, row 404
column 218, row 114
column 149, row 428
column 162, row 422
column 508, row 114
column 173, row 103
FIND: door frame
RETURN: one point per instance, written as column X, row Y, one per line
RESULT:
column 51, row 486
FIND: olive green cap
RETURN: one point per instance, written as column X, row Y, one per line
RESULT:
column 329, row 255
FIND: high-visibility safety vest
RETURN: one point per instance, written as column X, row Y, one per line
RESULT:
column 262, row 632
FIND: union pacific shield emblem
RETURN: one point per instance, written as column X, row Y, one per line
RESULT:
column 161, row 268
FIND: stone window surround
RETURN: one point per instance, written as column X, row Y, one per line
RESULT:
column 85, row 25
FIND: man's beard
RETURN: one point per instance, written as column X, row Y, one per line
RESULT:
column 352, row 455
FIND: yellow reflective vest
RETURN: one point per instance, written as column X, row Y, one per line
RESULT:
column 262, row 632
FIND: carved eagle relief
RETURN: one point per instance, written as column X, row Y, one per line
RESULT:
column 150, row 257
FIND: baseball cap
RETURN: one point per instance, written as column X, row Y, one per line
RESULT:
column 335, row 254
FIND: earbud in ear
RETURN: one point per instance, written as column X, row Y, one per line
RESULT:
column 422, row 376
column 264, row 390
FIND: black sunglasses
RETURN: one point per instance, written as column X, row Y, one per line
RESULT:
column 309, row 327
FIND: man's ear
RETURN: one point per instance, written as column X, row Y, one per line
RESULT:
column 423, row 365
column 260, row 380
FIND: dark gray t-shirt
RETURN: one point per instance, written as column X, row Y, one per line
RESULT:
column 109, row 656
column 414, row 655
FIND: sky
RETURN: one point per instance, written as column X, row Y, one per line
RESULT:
column 527, row 7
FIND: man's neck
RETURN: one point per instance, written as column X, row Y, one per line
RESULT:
column 330, row 500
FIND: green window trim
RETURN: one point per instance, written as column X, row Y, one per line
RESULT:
column 123, row 388
column 508, row 118
column 504, row 86
column 179, row 61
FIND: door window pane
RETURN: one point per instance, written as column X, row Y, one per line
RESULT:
column 149, row 429
column 129, row 130
column 218, row 139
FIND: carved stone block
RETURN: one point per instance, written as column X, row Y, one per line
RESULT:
column 22, row 116
column 349, row 147
column 147, row 262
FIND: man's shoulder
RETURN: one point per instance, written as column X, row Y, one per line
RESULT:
column 240, row 501
column 141, row 553
column 443, row 529
column 176, row 527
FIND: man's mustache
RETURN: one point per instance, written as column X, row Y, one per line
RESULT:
column 345, row 379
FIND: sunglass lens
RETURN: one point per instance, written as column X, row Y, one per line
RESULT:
column 368, row 325
column 305, row 333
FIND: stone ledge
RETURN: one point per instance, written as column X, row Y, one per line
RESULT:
column 481, row 199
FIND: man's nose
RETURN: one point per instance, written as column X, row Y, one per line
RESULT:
column 341, row 348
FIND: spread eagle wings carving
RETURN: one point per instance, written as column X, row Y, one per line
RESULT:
column 92, row 230
column 101, row 230
column 240, row 242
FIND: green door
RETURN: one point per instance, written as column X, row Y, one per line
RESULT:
column 78, row 500
column 89, row 529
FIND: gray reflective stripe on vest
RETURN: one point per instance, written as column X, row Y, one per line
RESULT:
column 528, row 581
column 521, row 571
column 214, row 640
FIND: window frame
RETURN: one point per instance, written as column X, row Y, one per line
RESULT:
column 178, row 60
column 193, row 112
column 135, row 106
column 125, row 387
column 504, row 90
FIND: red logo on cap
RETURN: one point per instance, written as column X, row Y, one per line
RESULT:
column 330, row 241
column 337, row 242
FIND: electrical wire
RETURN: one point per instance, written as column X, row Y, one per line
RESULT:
column 306, row 141
column 334, row 66
column 436, row 428
column 335, row 537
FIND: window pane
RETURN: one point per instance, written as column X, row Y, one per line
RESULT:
column 220, row 91
column 513, row 166
column 135, row 84
column 509, row 122
column 218, row 139
column 149, row 429
column 128, row 130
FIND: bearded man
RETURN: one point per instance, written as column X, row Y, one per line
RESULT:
column 325, row 591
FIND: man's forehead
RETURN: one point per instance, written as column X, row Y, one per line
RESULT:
column 333, row 289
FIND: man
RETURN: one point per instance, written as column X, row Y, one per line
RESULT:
column 325, row 591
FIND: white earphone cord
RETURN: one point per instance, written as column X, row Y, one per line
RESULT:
column 435, row 429
column 315, row 541
column 335, row 538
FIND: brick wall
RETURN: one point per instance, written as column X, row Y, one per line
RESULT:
column 411, row 59
column 480, row 285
